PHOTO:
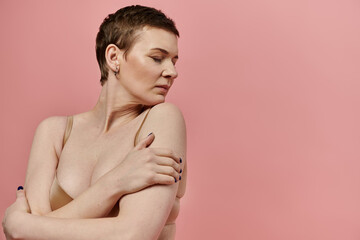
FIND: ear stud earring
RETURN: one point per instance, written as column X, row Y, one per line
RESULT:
column 117, row 70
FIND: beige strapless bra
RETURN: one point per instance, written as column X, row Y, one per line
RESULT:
column 58, row 197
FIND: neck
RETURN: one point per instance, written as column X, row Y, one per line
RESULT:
column 113, row 108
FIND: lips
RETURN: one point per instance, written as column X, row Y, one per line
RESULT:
column 166, row 87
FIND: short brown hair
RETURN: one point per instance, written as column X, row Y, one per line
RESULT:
column 120, row 27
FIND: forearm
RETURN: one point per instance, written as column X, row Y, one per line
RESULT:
column 97, row 201
column 46, row 228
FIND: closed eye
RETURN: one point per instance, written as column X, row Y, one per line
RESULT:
column 156, row 59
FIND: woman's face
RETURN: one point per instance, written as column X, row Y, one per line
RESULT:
column 149, row 69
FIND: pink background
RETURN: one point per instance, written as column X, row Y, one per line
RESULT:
column 269, row 90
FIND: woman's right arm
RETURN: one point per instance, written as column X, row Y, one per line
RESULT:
column 142, row 214
column 18, row 223
column 42, row 163
column 130, row 176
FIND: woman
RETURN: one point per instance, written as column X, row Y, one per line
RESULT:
column 119, row 170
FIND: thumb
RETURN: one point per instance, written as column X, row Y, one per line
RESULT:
column 20, row 192
column 145, row 142
column 22, row 202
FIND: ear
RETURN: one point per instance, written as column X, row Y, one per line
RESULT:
column 112, row 55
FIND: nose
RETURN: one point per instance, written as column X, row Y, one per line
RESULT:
column 170, row 71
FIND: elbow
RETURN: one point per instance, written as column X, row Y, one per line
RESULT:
column 37, row 213
column 40, row 211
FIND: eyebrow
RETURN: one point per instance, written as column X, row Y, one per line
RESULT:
column 164, row 51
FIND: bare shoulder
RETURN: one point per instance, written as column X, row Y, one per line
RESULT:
column 52, row 126
column 165, row 114
column 166, row 107
column 51, row 122
column 52, row 129
column 167, row 123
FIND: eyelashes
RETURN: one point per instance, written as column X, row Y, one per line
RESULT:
column 159, row 60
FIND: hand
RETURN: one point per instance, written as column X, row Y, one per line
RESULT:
column 14, row 214
column 143, row 167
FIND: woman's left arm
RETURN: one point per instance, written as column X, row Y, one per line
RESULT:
column 147, row 211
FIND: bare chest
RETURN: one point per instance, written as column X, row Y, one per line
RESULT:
column 85, row 158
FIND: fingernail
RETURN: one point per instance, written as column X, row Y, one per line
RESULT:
column 149, row 134
column 180, row 160
column 175, row 179
column 180, row 170
column 179, row 177
column 20, row 188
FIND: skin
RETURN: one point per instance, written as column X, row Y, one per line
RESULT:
column 97, row 183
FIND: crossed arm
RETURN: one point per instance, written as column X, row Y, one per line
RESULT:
column 142, row 215
column 94, row 202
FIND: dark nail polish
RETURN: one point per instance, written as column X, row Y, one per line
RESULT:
column 20, row 188
column 149, row 134
column 179, row 177
column 175, row 179
column 180, row 160
column 180, row 170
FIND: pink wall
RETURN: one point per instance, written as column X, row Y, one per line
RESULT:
column 269, row 89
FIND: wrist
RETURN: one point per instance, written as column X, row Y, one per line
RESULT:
column 112, row 186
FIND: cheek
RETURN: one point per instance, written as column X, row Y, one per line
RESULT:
column 142, row 69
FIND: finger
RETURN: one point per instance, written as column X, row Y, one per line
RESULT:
column 164, row 179
column 166, row 161
column 166, row 170
column 145, row 142
column 165, row 152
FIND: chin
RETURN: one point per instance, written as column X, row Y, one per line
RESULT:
column 153, row 102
